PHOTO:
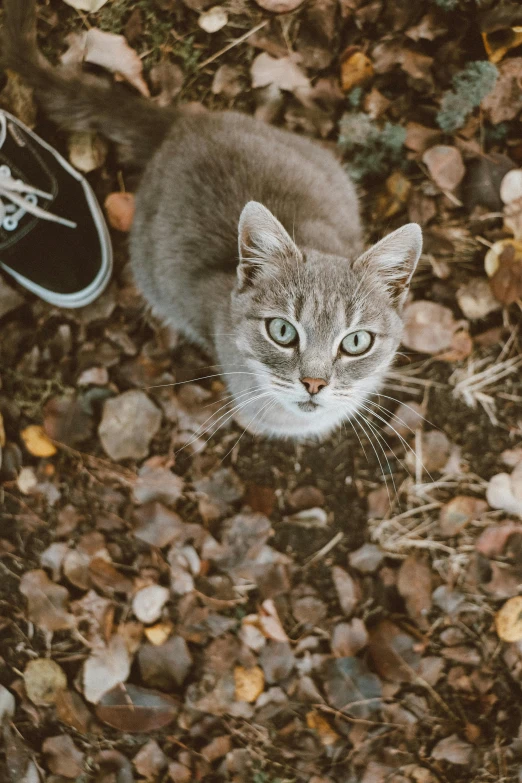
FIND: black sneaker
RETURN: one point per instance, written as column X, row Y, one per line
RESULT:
column 53, row 237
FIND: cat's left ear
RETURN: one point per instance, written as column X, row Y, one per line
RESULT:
column 394, row 259
column 263, row 240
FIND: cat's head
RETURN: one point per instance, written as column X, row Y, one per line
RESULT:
column 316, row 331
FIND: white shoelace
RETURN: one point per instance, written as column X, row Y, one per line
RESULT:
column 21, row 199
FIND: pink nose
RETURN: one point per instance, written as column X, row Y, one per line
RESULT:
column 314, row 385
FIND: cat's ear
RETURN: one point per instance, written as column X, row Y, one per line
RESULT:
column 394, row 259
column 262, row 240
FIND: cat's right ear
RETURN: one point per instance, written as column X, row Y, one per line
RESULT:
column 263, row 241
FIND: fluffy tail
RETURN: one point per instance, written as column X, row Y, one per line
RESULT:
column 78, row 101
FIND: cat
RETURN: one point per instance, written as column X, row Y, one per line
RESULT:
column 246, row 239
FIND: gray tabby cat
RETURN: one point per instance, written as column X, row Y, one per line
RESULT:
column 246, row 239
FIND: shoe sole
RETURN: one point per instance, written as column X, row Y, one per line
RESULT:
column 98, row 285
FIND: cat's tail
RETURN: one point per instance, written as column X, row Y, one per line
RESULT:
column 77, row 101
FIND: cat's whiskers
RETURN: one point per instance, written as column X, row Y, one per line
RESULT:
column 264, row 409
column 394, row 399
column 203, row 378
column 370, row 441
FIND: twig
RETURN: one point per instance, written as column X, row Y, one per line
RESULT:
column 326, row 548
column 232, row 44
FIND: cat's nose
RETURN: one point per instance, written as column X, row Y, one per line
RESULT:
column 314, row 385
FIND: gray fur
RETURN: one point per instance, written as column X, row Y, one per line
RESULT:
column 211, row 173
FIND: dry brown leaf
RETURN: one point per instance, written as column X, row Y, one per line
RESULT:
column 348, row 591
column 445, row 166
column 63, row 757
column 105, row 668
column 505, row 100
column 316, row 722
column 356, row 69
column 493, row 540
column 108, row 51
column 120, row 209
column 44, row 681
column 47, row 602
column 454, row 750
column 284, row 72
column 414, row 583
column 72, row 710
column 36, row 441
column 429, row 327
column 250, row 683
column 459, row 512
column 508, row 620
column 165, row 666
column 503, row 263
column 133, row 709
column 476, row 299
column 270, row 623
column 87, row 150
column 349, row 638
column 128, row 424
column 150, row 761
column 392, row 653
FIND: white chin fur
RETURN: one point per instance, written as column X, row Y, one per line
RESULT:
column 280, row 422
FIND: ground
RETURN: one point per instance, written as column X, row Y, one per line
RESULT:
column 184, row 604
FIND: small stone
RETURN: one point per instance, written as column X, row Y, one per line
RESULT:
column 305, row 497
column 94, row 376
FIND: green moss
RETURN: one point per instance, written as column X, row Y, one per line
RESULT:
column 470, row 87
column 372, row 149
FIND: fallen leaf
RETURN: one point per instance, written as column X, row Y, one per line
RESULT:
column 505, row 100
column 419, row 137
column 429, row 327
column 167, row 78
column 493, row 540
column 158, row 525
column 503, row 264
column 445, row 166
column 109, row 51
column 356, row 69
column 482, row 183
column 476, row 299
column 217, row 748
column 90, row 6
column 249, row 683
column 159, row 633
column 277, row 661
column 72, row 710
column 165, row 666
column 378, row 503
column 229, row 81
column 129, row 422
column 157, row 482
column 392, row 654
column 150, row 761
column 148, row 603
column 279, row 6
column 497, row 46
column 348, row 591
column 63, row 757
column 351, row 687
column 214, row 19
column 405, row 420
column 306, row 497
column 435, row 452
column 454, row 750
column 349, row 638
column 270, row 623
column 284, row 72
column 7, row 704
column 47, row 602
column 106, row 668
column 316, row 722
column 87, row 150
column 44, row 681
column 414, row 584
column 459, row 512
column 120, row 208
column 508, row 620
column 133, row 709
column 504, row 492
column 219, row 491
column 36, row 441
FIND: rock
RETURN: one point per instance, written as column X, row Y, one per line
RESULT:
column 128, row 424
column 367, row 559
column 148, row 603
column 476, row 299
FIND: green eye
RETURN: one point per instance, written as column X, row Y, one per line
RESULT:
column 357, row 343
column 282, row 332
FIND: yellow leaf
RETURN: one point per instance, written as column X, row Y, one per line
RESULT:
column 319, row 724
column 2, row 431
column 508, row 620
column 159, row 633
column 498, row 46
column 250, row 683
column 355, row 70
column 36, row 441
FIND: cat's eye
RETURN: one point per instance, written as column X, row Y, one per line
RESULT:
column 357, row 343
column 282, row 332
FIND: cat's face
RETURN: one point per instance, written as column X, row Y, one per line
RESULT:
column 318, row 332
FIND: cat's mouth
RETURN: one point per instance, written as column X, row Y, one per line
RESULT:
column 309, row 406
